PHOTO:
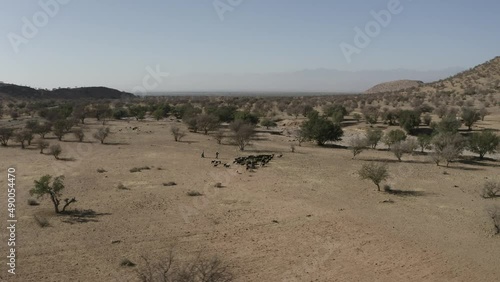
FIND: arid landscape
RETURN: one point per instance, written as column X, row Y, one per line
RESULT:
column 155, row 176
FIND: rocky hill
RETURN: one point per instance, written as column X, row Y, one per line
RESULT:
column 482, row 79
column 12, row 91
column 394, row 86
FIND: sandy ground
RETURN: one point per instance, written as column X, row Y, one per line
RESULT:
column 305, row 217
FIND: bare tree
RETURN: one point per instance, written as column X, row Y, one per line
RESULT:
column 55, row 150
column 357, row 145
column 42, row 145
column 242, row 133
column 79, row 134
column 177, row 133
column 219, row 136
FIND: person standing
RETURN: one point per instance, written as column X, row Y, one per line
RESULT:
column 216, row 155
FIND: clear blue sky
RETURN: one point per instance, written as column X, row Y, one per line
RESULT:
column 96, row 42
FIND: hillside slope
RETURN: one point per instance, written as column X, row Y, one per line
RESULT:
column 394, row 86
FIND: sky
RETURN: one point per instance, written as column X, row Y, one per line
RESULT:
column 123, row 43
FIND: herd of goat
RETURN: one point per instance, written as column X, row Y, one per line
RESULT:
column 251, row 162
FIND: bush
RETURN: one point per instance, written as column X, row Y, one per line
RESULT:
column 206, row 270
column 55, row 150
column 194, row 193
column 494, row 213
column 139, row 169
column 374, row 172
column 490, row 189
column 171, row 183
column 484, row 143
column 127, row 262
column 122, row 187
column 44, row 188
column 177, row 133
column 33, row 202
column 41, row 221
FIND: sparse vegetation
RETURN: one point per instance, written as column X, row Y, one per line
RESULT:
column 55, row 150
column 490, row 189
column 177, row 133
column 194, row 193
column 486, row 142
column 101, row 134
column 357, row 145
column 199, row 269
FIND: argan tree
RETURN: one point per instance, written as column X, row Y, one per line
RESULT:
column 44, row 187
column 373, row 137
column 484, row 143
column 394, row 136
column 5, row 135
column 79, row 134
column 321, row 129
column 357, row 144
column 207, row 123
column 470, row 116
column 242, row 133
column 374, row 172
column 101, row 134
column 42, row 145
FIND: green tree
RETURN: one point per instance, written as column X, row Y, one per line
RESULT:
column 484, row 143
column 207, row 123
column 470, row 116
column 320, row 129
column 5, row 135
column 374, row 172
column 449, row 124
column 44, row 187
column 373, row 137
column 409, row 120
column 247, row 117
column 394, row 136
column 424, row 141
column 268, row 123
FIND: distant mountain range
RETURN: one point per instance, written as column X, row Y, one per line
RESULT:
column 315, row 80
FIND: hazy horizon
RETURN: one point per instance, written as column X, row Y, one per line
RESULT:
column 220, row 45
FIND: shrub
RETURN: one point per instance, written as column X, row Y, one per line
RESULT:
column 127, row 262
column 490, row 189
column 374, row 172
column 171, row 183
column 41, row 221
column 33, row 202
column 44, row 188
column 55, row 150
column 206, row 270
column 101, row 170
column 177, row 133
column 194, row 193
column 484, row 143
column 219, row 136
column 494, row 213
column 122, row 187
column 357, row 145
column 101, row 134
column 139, row 169
column 373, row 137
column 218, row 185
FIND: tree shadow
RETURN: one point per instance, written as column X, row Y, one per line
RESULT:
column 115, row 143
column 82, row 216
column 396, row 161
column 463, row 168
column 66, row 159
column 405, row 193
column 188, row 142
column 333, row 146
column 476, row 161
